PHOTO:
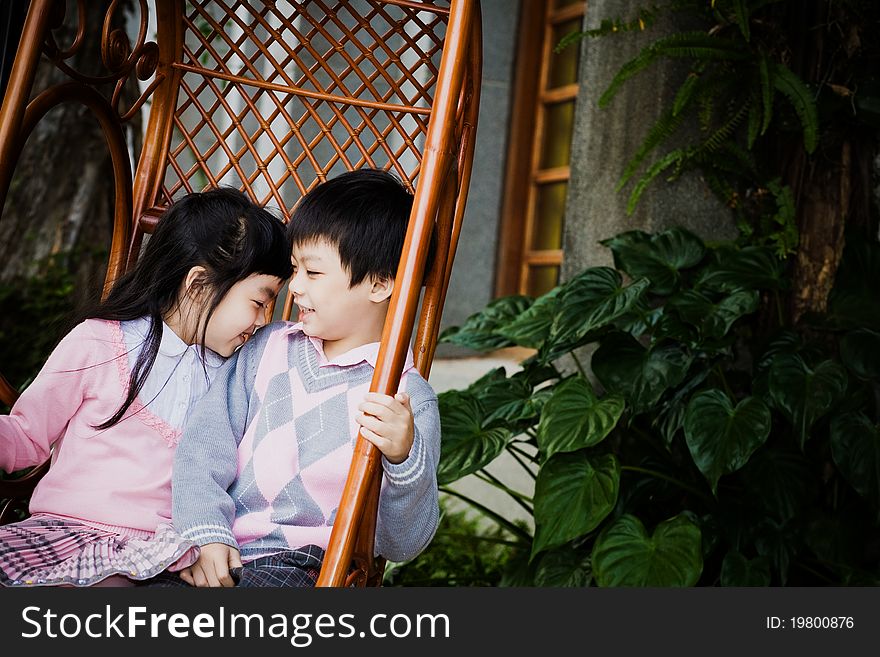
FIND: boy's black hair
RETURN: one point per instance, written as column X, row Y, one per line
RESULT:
column 221, row 230
column 364, row 215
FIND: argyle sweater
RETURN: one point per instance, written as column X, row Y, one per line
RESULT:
column 265, row 455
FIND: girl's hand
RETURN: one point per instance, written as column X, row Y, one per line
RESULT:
column 387, row 422
column 212, row 568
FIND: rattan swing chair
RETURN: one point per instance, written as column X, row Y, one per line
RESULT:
column 274, row 97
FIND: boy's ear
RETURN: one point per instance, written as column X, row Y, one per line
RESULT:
column 381, row 289
column 192, row 284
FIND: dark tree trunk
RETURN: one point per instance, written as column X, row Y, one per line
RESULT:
column 831, row 186
column 57, row 223
column 60, row 201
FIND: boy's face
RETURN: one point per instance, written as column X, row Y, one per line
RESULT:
column 328, row 308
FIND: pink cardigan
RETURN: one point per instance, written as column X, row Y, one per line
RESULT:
column 119, row 477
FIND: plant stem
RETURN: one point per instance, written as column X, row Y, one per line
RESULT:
column 483, row 539
column 577, row 363
column 515, row 453
column 516, row 530
column 519, row 498
column 720, row 374
column 671, row 480
column 522, row 453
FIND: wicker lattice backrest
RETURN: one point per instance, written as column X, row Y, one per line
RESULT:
column 274, row 97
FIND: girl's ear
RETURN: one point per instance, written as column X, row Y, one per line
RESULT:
column 381, row 289
column 192, row 284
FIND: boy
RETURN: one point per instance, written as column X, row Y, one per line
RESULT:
column 260, row 470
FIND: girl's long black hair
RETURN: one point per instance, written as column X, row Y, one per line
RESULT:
column 220, row 230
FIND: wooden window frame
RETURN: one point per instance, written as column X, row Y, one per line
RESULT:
column 523, row 175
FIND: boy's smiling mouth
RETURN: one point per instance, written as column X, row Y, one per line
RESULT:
column 304, row 311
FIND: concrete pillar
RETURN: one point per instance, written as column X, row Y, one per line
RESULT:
column 605, row 139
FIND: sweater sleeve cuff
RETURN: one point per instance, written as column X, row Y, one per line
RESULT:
column 410, row 470
column 204, row 534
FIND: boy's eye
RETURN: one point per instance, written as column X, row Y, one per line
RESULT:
column 312, row 273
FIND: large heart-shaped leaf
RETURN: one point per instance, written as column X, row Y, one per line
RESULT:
column 573, row 494
column 781, row 480
column 592, row 300
column 750, row 268
column 804, row 394
column 625, row 555
column 480, row 330
column 711, row 318
column 504, row 401
column 736, row 570
column 669, row 415
column 855, row 447
column 779, row 542
column 860, row 352
column 721, row 438
column 532, row 327
column 565, row 566
column 575, row 418
column 659, row 258
column 639, row 375
column 465, row 446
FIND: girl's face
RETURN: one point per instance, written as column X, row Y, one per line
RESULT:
column 240, row 313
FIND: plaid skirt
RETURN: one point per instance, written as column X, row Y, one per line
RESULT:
column 48, row 550
column 297, row 568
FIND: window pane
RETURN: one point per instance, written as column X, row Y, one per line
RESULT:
column 547, row 233
column 558, row 125
column 542, row 279
column 563, row 65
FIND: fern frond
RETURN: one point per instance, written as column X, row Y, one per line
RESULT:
column 645, row 19
column 642, row 61
column 742, row 13
column 568, row 39
column 714, row 142
column 754, row 121
column 659, row 132
column 707, row 107
column 734, row 158
column 694, row 45
column 766, row 92
column 719, row 186
column 674, row 157
column 686, row 92
column 797, row 93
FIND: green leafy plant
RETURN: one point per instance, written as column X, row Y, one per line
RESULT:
column 33, row 312
column 464, row 553
column 699, row 449
column 746, row 102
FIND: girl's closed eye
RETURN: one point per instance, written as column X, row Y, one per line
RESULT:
column 312, row 273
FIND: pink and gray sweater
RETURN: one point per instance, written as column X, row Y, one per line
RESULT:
column 265, row 455
column 112, row 478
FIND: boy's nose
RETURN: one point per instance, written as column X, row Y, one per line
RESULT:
column 294, row 286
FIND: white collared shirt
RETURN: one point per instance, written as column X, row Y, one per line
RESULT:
column 177, row 379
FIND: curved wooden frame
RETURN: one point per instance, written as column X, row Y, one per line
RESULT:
column 446, row 120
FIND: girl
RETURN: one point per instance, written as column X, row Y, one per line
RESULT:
column 117, row 389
